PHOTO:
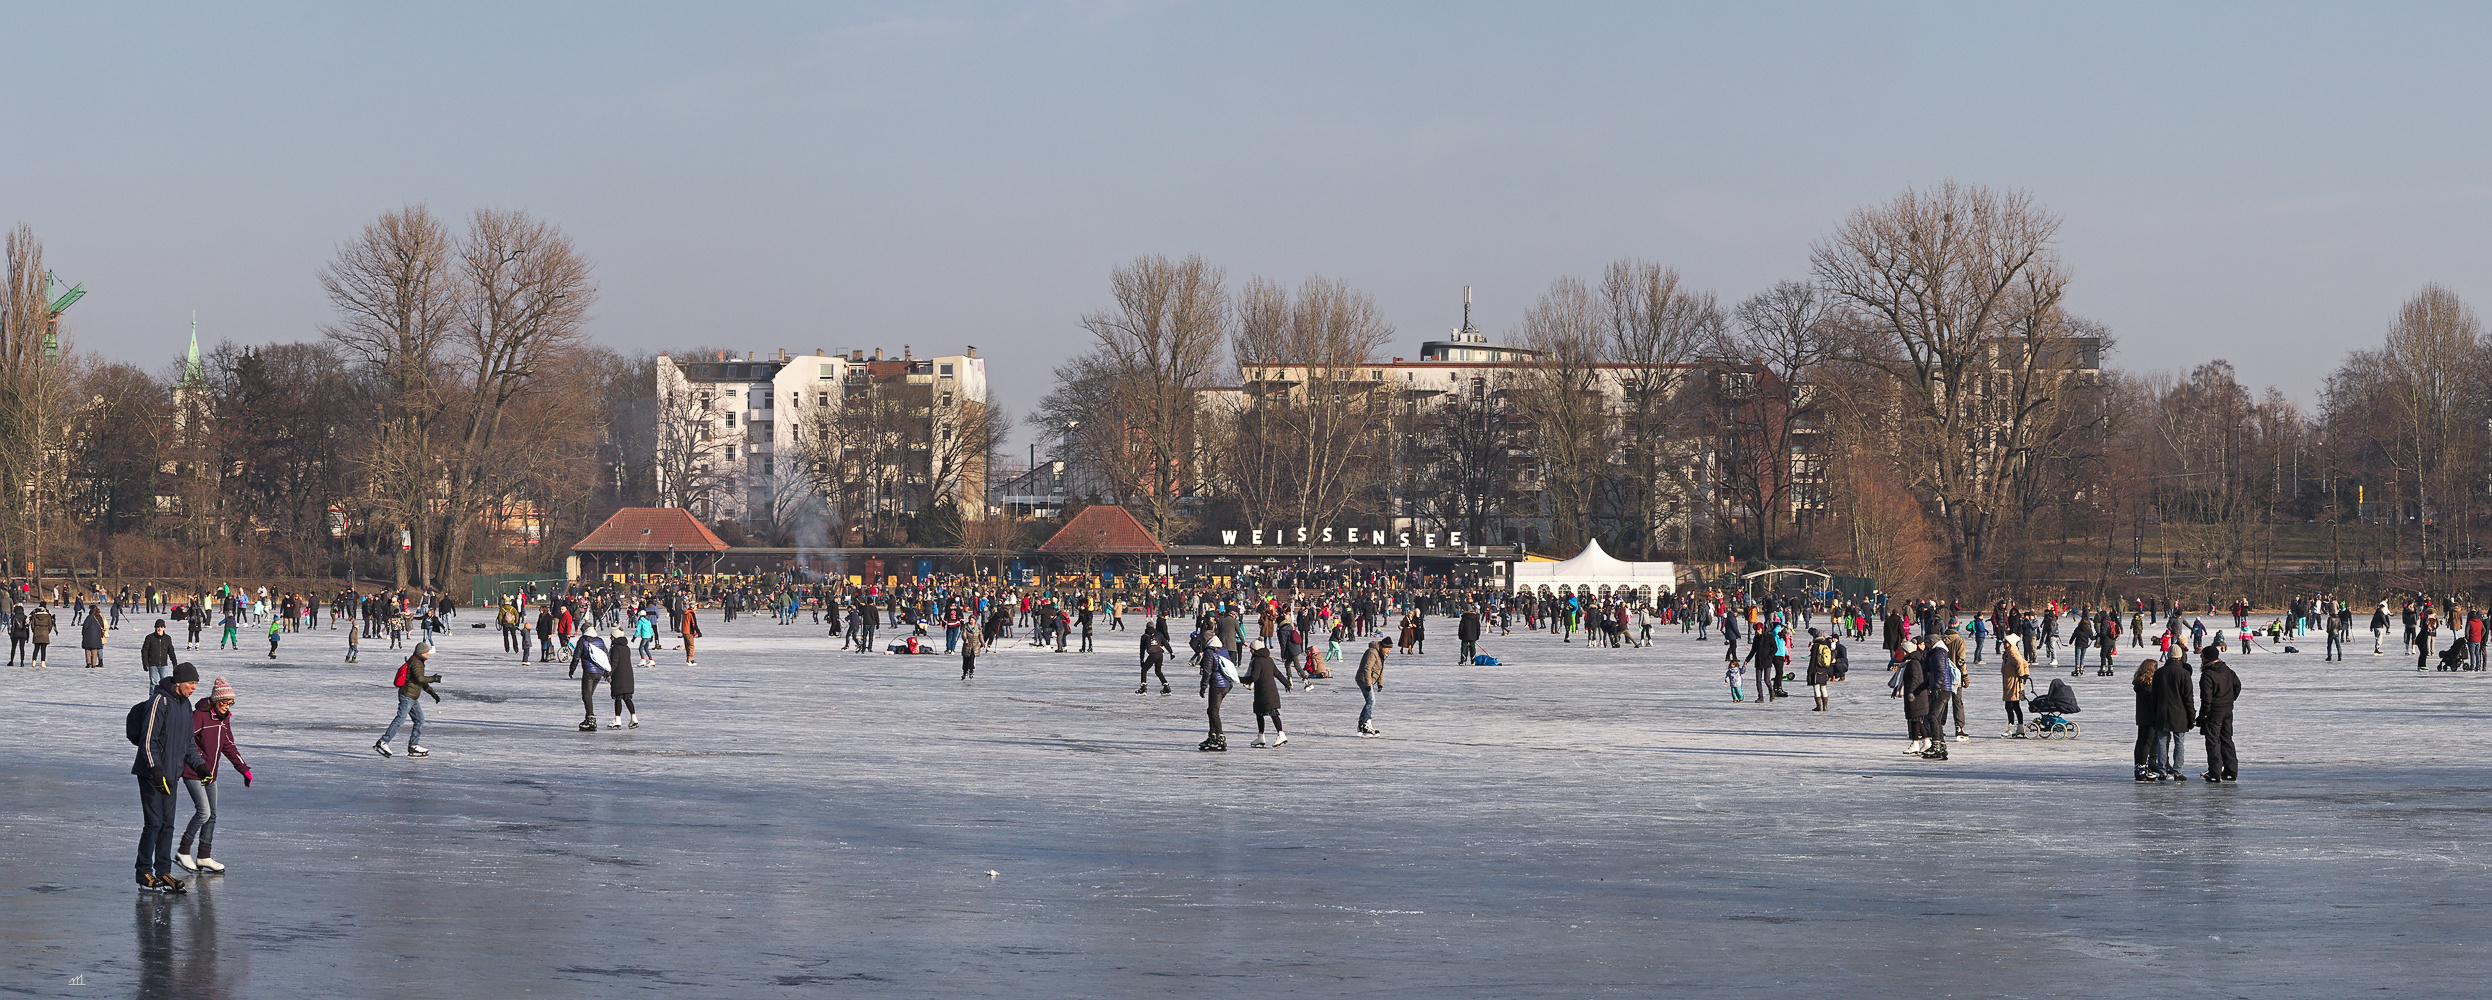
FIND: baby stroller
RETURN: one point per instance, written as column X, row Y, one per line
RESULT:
column 2049, row 713
column 2454, row 657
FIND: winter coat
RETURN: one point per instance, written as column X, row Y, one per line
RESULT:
column 1915, row 685
column 1371, row 668
column 2175, row 698
column 170, row 744
column 619, row 668
column 156, row 650
column 1225, row 633
column 1269, row 680
column 1469, row 630
column 91, row 635
column 42, row 625
column 215, row 736
column 1891, row 632
column 2147, row 717
column 1821, row 672
column 2012, row 673
column 418, row 682
column 2218, row 687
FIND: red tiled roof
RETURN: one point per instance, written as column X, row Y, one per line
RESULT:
column 651, row 529
column 1103, row 529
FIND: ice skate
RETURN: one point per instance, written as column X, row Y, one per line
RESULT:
column 1144, row 689
column 184, row 859
column 1163, row 689
column 615, row 723
column 588, row 725
column 380, row 748
column 1279, row 737
column 417, row 751
column 635, row 720
column 1258, row 741
column 2210, row 776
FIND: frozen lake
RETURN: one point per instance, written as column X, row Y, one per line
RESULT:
column 794, row 821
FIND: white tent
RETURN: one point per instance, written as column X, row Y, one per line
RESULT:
column 1593, row 571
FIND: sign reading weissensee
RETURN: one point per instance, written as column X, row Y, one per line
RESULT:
column 1347, row 536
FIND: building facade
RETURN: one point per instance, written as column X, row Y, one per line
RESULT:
column 758, row 439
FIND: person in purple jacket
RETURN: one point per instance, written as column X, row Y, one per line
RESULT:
column 212, row 726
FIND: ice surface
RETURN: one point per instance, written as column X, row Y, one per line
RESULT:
column 794, row 821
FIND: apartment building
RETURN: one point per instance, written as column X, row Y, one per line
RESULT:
column 747, row 438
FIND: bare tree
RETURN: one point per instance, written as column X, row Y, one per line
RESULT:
column 1653, row 330
column 528, row 293
column 399, row 301
column 1964, row 284
column 34, row 398
column 1779, row 338
column 1129, row 408
column 1560, row 398
column 1311, row 435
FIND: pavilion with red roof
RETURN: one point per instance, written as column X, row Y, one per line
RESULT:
column 648, row 540
column 1102, row 532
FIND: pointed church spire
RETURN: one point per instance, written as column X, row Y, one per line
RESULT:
column 192, row 374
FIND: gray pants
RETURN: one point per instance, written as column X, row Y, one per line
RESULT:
column 202, row 829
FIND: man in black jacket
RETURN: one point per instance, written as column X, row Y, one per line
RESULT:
column 1469, row 633
column 166, row 745
column 2218, row 687
column 2176, row 713
column 156, row 654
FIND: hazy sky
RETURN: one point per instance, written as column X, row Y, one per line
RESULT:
column 2261, row 183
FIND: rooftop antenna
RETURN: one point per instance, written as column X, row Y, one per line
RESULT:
column 1468, row 332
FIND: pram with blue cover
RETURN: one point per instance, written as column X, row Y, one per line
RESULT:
column 2050, row 712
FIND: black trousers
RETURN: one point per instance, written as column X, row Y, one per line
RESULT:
column 1150, row 666
column 1212, row 706
column 155, row 833
column 2220, row 759
column 510, row 640
column 588, row 695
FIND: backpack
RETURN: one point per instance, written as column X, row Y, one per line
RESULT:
column 135, row 727
column 400, row 680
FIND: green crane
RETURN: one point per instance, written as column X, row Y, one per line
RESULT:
column 52, row 322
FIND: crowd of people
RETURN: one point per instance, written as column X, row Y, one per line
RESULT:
column 1270, row 642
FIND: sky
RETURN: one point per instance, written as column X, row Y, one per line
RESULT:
column 2258, row 183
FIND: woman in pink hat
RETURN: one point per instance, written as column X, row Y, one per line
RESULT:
column 213, row 724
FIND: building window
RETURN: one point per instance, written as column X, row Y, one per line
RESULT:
column 730, row 419
column 947, row 399
column 822, row 399
column 730, row 453
column 944, row 370
column 830, row 371
column 765, row 466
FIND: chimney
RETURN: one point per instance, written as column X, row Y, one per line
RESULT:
column 817, row 352
column 722, row 355
column 782, row 354
column 878, row 354
column 856, row 356
column 752, row 356
column 904, row 352
column 973, row 350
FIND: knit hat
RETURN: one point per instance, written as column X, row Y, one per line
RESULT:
column 184, row 673
column 424, row 649
column 159, row 623
column 221, row 691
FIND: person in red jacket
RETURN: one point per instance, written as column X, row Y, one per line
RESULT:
column 212, row 725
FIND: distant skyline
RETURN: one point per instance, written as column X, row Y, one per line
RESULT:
column 2258, row 183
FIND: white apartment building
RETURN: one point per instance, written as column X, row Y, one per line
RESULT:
column 732, row 432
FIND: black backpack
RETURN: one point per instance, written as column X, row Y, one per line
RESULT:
column 137, row 722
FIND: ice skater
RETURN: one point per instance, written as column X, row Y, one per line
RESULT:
column 1216, row 678
column 1370, row 679
column 414, row 682
column 1269, row 681
column 589, row 662
column 212, row 725
column 619, row 686
column 969, row 640
column 161, row 726
column 1154, row 657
